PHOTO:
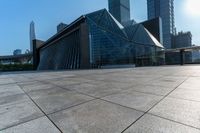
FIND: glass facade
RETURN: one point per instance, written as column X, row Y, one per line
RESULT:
column 62, row 54
column 187, row 57
column 109, row 43
column 165, row 10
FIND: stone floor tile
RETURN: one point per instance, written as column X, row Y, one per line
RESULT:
column 95, row 117
column 55, row 99
column 153, row 124
column 183, row 111
column 136, row 100
column 32, row 87
column 6, row 81
column 40, row 125
column 10, row 89
column 186, row 93
column 153, row 89
column 16, row 113
column 100, row 88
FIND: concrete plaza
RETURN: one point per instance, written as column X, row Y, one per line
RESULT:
column 133, row 100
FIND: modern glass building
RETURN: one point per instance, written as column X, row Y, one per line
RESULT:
column 165, row 10
column 120, row 9
column 96, row 40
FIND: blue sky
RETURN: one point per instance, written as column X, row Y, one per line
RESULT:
column 16, row 16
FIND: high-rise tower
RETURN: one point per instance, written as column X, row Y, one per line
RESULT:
column 165, row 10
column 120, row 9
column 32, row 35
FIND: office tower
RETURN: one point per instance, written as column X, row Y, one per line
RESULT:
column 120, row 9
column 32, row 35
column 165, row 10
column 61, row 26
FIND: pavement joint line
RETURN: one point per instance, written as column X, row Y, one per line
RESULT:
column 149, row 113
column 94, row 98
column 46, row 82
column 128, row 82
column 68, row 108
column 155, row 104
column 8, row 84
column 22, row 123
column 121, row 105
column 126, row 88
column 133, row 91
column 82, row 76
column 17, row 82
column 122, row 89
column 173, row 121
column 140, row 92
column 149, row 93
column 41, row 109
column 79, row 75
column 178, row 98
column 66, row 89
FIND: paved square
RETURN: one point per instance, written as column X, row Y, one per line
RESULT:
column 133, row 100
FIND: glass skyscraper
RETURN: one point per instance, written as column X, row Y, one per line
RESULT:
column 32, row 35
column 120, row 9
column 165, row 10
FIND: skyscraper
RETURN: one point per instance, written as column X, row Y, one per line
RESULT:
column 120, row 9
column 165, row 10
column 32, row 35
column 61, row 26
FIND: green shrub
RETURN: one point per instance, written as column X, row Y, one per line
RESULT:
column 16, row 67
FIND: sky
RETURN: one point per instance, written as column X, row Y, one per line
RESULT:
column 16, row 15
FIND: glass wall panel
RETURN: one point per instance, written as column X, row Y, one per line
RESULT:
column 62, row 54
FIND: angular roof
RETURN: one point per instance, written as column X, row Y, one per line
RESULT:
column 133, row 32
column 105, row 20
column 139, row 34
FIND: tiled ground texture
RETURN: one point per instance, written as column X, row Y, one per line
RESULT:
column 137, row 100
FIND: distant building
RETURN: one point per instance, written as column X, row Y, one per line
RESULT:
column 32, row 35
column 61, row 26
column 165, row 10
column 120, row 9
column 15, row 59
column 196, row 56
column 17, row 52
column 182, row 39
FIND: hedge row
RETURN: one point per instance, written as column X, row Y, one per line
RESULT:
column 16, row 67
